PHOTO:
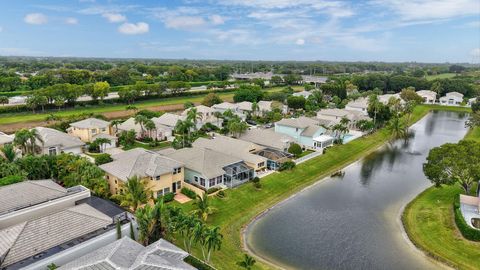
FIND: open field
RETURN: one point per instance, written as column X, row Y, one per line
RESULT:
column 440, row 76
column 429, row 222
column 15, row 121
column 244, row 203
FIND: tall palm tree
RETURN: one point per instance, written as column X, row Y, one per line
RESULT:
column 21, row 139
column 115, row 124
column 150, row 127
column 184, row 127
column 149, row 220
column 101, row 142
column 247, row 263
column 213, row 240
column 255, row 107
column 194, row 116
column 141, row 120
column 203, row 207
column 135, row 193
column 398, row 128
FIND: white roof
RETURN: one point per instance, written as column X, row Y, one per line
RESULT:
column 91, row 123
column 225, row 106
column 267, row 138
column 244, row 105
column 201, row 109
column 264, row 105
column 455, row 94
column 323, row 138
column 361, row 103
column 53, row 137
column 167, row 119
column 426, row 93
column 4, row 138
column 304, row 94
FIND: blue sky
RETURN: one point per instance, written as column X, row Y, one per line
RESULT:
column 370, row 30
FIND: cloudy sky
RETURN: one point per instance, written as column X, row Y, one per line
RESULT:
column 369, row 30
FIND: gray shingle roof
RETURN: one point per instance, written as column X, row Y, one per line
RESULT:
column 128, row 254
column 139, row 162
column 53, row 137
column 206, row 161
column 31, row 237
column 167, row 119
column 267, row 137
column 360, row 103
column 91, row 123
column 28, row 193
column 301, row 122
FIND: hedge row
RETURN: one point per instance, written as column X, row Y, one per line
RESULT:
column 467, row 231
column 197, row 263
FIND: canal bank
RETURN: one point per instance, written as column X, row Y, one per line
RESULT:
column 362, row 176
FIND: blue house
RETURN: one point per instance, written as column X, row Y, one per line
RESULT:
column 306, row 131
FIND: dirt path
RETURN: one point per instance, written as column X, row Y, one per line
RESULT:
column 11, row 128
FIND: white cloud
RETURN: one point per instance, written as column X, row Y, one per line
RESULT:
column 35, row 18
column 217, row 19
column 300, row 41
column 114, row 17
column 71, row 20
column 184, row 22
column 475, row 53
column 133, row 28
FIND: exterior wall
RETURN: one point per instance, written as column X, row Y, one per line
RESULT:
column 190, row 177
column 74, row 150
column 307, row 141
column 86, row 135
column 42, row 209
column 291, row 131
column 195, row 189
column 451, row 100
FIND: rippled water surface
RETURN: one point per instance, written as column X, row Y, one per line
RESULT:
column 352, row 222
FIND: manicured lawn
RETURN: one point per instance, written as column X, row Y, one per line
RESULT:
column 306, row 152
column 242, row 204
column 429, row 223
column 29, row 117
column 441, row 76
column 161, row 145
column 473, row 134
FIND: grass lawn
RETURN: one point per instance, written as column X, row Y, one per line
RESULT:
column 138, row 144
column 304, row 153
column 440, row 76
column 29, row 117
column 242, row 204
column 429, row 223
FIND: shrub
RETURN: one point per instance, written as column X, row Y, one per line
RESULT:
column 197, row 263
column 12, row 179
column 256, row 182
column 295, row 149
column 221, row 194
column 287, row 165
column 467, row 231
column 168, row 197
column 213, row 190
column 102, row 159
column 189, row 193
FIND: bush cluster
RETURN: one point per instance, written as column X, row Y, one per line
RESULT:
column 467, row 231
column 189, row 193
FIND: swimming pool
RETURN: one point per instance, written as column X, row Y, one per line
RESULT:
column 349, row 137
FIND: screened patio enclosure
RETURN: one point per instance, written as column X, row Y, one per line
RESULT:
column 237, row 174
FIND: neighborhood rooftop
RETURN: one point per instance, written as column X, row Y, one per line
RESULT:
column 267, row 138
column 53, row 137
column 91, row 123
column 139, row 162
column 126, row 254
column 301, row 122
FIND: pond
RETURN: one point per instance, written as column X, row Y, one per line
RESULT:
column 353, row 221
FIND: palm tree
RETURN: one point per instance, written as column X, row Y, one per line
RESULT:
column 21, row 139
column 8, row 152
column 141, row 120
column 115, row 124
column 134, row 194
column 255, row 107
column 237, row 127
column 247, row 263
column 33, row 138
column 184, row 127
column 213, row 241
column 193, row 115
column 218, row 116
column 149, row 221
column 3, row 100
column 397, row 127
column 150, row 126
column 204, row 208
column 132, row 108
column 101, row 142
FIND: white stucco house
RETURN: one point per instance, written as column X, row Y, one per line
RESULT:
column 359, row 104
column 54, row 142
column 473, row 100
column 452, row 99
column 428, row 96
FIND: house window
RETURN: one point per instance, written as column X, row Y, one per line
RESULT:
column 115, row 181
column 211, row 182
column 166, row 190
column 261, row 164
column 103, row 129
column 159, row 193
column 219, row 180
column 177, row 170
column 52, row 151
column 179, row 185
column 107, row 177
column 196, row 178
column 202, row 181
column 157, row 178
column 94, row 131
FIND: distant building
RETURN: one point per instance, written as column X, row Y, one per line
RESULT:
column 162, row 174
column 452, row 99
column 90, row 129
column 126, row 253
column 360, row 104
column 429, row 97
column 385, row 99
column 469, row 103
column 207, row 115
column 54, row 142
column 330, row 117
column 304, row 94
column 162, row 131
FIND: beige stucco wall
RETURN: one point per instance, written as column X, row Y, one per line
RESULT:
column 86, row 135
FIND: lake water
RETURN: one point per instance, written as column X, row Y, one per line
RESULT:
column 352, row 222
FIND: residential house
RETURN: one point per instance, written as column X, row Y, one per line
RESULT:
column 162, row 174
column 160, row 133
column 5, row 139
column 126, row 254
column 330, row 117
column 233, row 107
column 306, row 132
column 452, row 99
column 469, row 103
column 360, row 104
column 206, row 168
column 54, row 142
column 244, row 107
column 240, row 149
column 470, row 208
column 207, row 115
column 90, row 129
column 385, row 99
column 428, row 96
column 166, row 124
column 40, row 220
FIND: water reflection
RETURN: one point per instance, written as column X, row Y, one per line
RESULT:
column 388, row 155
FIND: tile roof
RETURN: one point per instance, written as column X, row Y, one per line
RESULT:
column 225, row 106
column 455, row 94
column 29, row 238
column 126, row 254
column 358, row 103
column 91, row 123
column 267, row 138
column 167, row 119
column 53, row 137
column 139, row 162
column 301, row 122
column 206, row 161
column 244, row 105
column 28, row 193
